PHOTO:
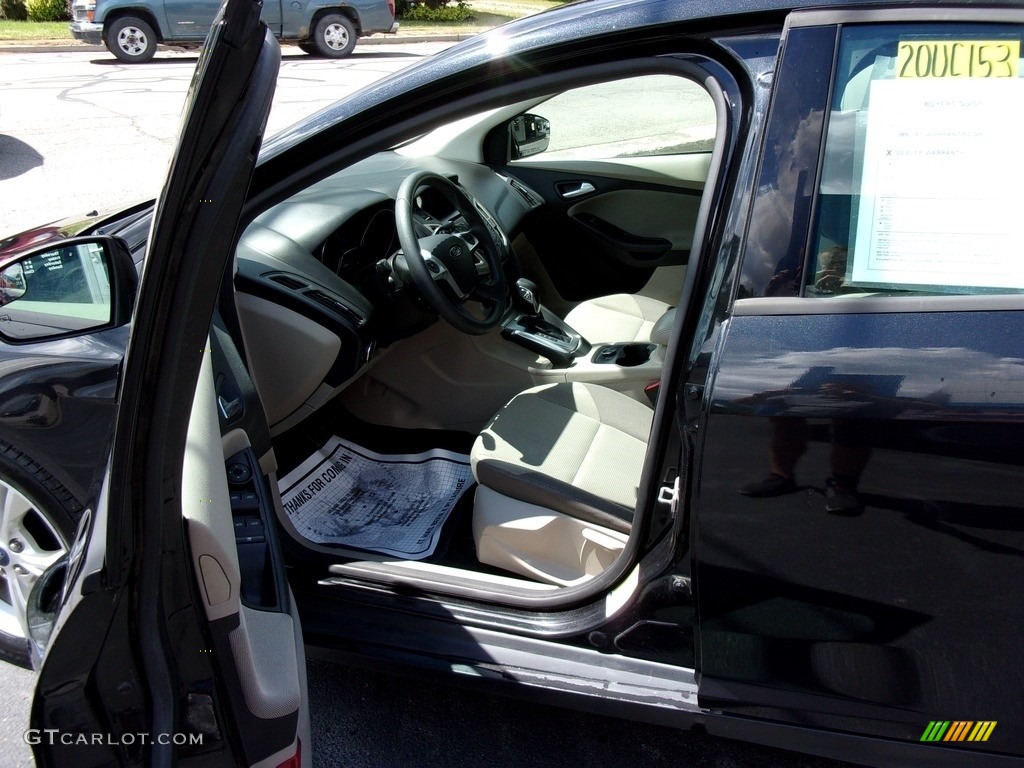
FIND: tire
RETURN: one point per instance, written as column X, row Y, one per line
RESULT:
column 131, row 40
column 38, row 517
column 334, row 36
column 307, row 46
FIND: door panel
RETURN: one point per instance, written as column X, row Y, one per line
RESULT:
column 610, row 240
column 189, row 19
column 621, row 175
column 896, row 614
column 651, row 214
column 860, row 527
column 145, row 657
column 258, row 642
column 265, row 657
column 204, row 489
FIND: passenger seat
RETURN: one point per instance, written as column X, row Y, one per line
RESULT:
column 619, row 317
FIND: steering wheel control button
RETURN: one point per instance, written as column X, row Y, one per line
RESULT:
column 432, row 266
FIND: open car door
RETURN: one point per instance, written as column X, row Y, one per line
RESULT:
column 168, row 647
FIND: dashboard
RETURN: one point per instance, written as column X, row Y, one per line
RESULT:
column 312, row 274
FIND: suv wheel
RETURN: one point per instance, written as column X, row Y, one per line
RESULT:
column 335, row 36
column 131, row 40
column 37, row 523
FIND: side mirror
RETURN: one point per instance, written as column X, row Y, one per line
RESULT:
column 77, row 286
column 12, row 284
column 530, row 135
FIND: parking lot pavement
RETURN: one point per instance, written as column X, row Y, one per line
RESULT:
column 80, row 131
column 16, row 686
column 75, row 46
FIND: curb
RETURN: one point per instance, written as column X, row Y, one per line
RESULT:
column 76, row 47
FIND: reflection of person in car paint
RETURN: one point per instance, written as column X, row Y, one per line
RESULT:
column 848, row 457
column 822, row 389
column 831, row 274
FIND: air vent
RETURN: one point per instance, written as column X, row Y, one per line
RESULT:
column 289, row 282
column 532, row 198
column 335, row 305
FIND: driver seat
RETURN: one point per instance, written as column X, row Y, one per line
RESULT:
column 559, row 469
column 619, row 317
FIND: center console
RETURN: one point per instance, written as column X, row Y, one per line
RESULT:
column 626, row 366
column 626, row 355
column 548, row 336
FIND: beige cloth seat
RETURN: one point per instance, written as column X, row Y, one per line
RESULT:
column 618, row 317
column 558, row 471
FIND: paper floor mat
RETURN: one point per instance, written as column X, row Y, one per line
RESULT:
column 347, row 495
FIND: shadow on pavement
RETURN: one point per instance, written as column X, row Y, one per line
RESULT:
column 286, row 55
column 16, row 157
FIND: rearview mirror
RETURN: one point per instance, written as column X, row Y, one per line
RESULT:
column 77, row 286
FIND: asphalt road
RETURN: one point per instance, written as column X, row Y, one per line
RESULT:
column 78, row 131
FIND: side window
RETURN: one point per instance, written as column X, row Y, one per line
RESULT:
column 634, row 117
column 919, row 190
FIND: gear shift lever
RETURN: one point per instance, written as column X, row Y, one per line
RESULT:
column 528, row 295
column 540, row 331
column 536, row 318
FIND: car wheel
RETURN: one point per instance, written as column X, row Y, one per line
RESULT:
column 335, row 36
column 131, row 40
column 37, row 523
column 308, row 46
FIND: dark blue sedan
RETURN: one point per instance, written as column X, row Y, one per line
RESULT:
column 652, row 358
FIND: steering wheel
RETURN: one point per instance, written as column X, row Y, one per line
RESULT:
column 459, row 274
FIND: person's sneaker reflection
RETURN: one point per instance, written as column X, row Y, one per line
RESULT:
column 848, row 456
column 773, row 485
column 841, row 496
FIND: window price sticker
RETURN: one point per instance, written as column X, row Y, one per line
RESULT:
column 958, row 58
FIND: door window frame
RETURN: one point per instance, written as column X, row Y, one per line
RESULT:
column 751, row 298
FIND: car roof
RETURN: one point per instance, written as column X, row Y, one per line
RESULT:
column 581, row 20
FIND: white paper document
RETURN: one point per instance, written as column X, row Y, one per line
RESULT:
column 392, row 504
column 940, row 197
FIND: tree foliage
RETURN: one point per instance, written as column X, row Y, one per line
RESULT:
column 47, row 10
column 13, row 10
column 433, row 10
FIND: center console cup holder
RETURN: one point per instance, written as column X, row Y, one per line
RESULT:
column 624, row 355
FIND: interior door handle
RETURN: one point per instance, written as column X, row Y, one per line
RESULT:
column 571, row 190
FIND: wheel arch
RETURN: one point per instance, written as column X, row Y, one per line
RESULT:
column 345, row 10
column 50, row 515
column 57, row 483
column 138, row 12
